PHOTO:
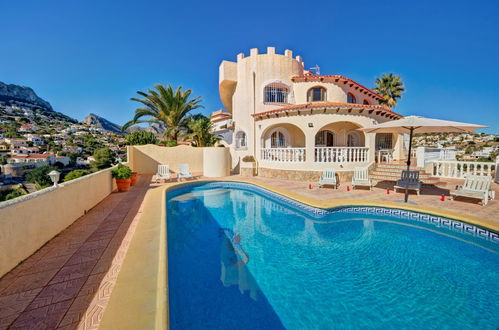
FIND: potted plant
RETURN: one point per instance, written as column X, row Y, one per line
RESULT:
column 134, row 178
column 123, row 175
column 248, row 166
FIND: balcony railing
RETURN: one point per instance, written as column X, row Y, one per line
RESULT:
column 459, row 169
column 341, row 155
column 284, row 155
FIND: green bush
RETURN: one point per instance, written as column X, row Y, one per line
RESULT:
column 76, row 174
column 10, row 194
column 40, row 176
column 104, row 158
column 140, row 138
column 122, row 172
column 170, row 143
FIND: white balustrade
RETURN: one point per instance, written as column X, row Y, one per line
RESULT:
column 341, row 154
column 459, row 169
column 284, row 155
column 427, row 155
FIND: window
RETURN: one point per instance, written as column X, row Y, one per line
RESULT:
column 241, row 140
column 324, row 139
column 353, row 139
column 277, row 140
column 275, row 93
column 383, row 141
column 366, row 102
column 351, row 98
column 316, row 94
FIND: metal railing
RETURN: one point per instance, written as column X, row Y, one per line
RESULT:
column 341, row 155
column 284, row 155
column 459, row 169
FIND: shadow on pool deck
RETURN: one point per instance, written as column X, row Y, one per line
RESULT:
column 68, row 282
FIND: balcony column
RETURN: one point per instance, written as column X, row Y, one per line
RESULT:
column 370, row 139
column 309, row 146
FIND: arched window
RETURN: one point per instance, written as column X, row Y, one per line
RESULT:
column 351, row 98
column 366, row 102
column 241, row 141
column 316, row 94
column 353, row 139
column 278, row 140
column 324, row 138
column 275, row 93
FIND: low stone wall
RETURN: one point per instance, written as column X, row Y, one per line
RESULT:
column 211, row 161
column 306, row 176
column 30, row 221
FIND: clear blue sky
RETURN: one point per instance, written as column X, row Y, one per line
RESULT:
column 92, row 56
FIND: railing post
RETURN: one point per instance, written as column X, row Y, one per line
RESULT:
column 420, row 157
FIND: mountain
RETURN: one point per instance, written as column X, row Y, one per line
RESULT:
column 10, row 93
column 99, row 122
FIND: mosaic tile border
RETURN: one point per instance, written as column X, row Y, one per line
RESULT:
column 437, row 221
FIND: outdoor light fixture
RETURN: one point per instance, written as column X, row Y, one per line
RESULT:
column 310, row 124
column 54, row 176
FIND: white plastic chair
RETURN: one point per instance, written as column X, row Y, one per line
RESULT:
column 184, row 172
column 361, row 177
column 163, row 173
column 328, row 177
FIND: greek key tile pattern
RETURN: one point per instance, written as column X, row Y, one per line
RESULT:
column 436, row 221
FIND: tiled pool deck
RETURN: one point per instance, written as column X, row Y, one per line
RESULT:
column 68, row 282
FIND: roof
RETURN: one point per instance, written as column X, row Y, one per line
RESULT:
column 33, row 156
column 219, row 113
column 335, row 105
column 338, row 78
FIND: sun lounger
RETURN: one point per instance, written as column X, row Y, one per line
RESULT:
column 163, row 173
column 328, row 177
column 475, row 186
column 409, row 180
column 361, row 177
column 184, row 172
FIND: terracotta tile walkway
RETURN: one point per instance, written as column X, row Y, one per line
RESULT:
column 67, row 283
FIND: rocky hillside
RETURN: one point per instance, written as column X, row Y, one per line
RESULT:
column 99, row 122
column 10, row 93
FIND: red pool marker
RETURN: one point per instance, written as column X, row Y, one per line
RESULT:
column 442, row 198
column 309, row 186
column 388, row 191
column 348, row 188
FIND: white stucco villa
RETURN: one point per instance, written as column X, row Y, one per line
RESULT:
column 291, row 119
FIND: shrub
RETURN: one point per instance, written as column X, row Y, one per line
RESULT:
column 40, row 176
column 10, row 194
column 122, row 172
column 170, row 143
column 248, row 159
column 104, row 158
column 76, row 174
column 141, row 137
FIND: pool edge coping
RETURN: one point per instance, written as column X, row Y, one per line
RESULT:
column 147, row 282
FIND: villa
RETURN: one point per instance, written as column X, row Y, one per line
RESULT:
column 295, row 122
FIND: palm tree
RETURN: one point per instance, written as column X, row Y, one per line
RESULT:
column 390, row 87
column 165, row 106
column 199, row 130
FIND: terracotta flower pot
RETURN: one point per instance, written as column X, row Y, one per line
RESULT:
column 134, row 178
column 123, row 184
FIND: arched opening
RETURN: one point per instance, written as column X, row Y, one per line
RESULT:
column 351, row 98
column 283, row 143
column 324, row 138
column 275, row 93
column 278, row 140
column 353, row 139
column 241, row 140
column 316, row 94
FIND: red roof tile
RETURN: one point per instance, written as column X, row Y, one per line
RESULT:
column 314, row 105
column 335, row 78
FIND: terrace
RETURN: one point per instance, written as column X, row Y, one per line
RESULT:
column 99, row 260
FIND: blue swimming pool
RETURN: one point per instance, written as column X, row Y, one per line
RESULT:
column 240, row 257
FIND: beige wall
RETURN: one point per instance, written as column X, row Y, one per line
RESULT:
column 216, row 162
column 145, row 159
column 30, row 221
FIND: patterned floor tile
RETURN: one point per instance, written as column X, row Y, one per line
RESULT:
column 47, row 317
column 57, row 292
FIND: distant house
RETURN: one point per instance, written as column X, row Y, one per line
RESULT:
column 38, row 159
column 27, row 128
column 16, row 143
column 36, row 139
column 25, row 150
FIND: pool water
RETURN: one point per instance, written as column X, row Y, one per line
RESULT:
column 239, row 258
